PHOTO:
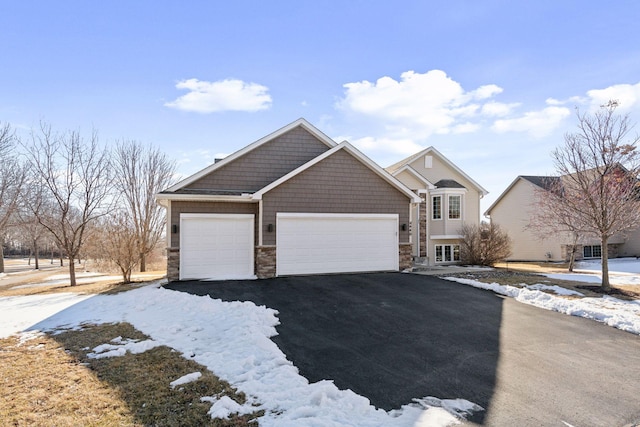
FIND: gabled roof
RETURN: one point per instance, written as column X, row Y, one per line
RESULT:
column 358, row 156
column 300, row 122
column 393, row 168
column 544, row 182
column 415, row 174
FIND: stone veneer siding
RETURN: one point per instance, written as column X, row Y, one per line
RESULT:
column 173, row 264
column 406, row 260
column 423, row 221
column 265, row 262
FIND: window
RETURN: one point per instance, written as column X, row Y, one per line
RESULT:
column 447, row 253
column 592, row 251
column 455, row 207
column 436, row 204
column 428, row 162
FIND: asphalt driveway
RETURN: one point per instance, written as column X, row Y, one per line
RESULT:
column 393, row 337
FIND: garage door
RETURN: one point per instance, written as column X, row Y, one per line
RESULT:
column 335, row 243
column 216, row 246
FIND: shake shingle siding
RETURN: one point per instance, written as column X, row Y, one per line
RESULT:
column 265, row 164
column 337, row 184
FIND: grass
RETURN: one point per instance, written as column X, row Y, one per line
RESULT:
column 50, row 381
column 518, row 274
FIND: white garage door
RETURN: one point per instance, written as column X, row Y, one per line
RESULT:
column 216, row 246
column 335, row 243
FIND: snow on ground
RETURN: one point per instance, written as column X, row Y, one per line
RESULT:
column 232, row 339
column 622, row 271
column 614, row 312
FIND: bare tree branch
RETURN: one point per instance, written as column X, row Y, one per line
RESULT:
column 140, row 173
column 76, row 173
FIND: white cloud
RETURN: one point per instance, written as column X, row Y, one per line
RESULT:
column 536, row 123
column 627, row 95
column 498, row 109
column 384, row 145
column 422, row 103
column 222, row 95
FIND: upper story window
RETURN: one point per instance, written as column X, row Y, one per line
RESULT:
column 455, row 207
column 436, row 207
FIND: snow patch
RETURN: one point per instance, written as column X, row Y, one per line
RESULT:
column 189, row 378
column 624, row 315
column 121, row 347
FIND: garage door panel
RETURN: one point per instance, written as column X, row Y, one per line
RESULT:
column 335, row 243
column 216, row 246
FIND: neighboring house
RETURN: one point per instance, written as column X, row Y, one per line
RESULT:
column 293, row 202
column 450, row 199
column 513, row 211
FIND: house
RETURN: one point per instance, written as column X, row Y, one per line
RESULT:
column 293, row 202
column 450, row 199
column 513, row 211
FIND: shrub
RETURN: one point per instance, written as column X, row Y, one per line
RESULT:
column 484, row 244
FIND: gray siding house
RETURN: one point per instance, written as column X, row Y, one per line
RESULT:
column 293, row 202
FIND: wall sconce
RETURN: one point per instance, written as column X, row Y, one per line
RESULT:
column 174, row 228
column 270, row 228
column 404, row 227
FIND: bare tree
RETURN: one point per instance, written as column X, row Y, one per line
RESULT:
column 484, row 244
column 141, row 172
column 76, row 174
column 599, row 167
column 120, row 242
column 12, row 177
column 552, row 217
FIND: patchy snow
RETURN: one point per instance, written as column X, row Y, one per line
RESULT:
column 225, row 406
column 121, row 347
column 554, row 288
column 189, row 378
column 232, row 339
column 614, row 312
column 622, row 271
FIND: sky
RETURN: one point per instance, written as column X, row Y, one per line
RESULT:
column 493, row 85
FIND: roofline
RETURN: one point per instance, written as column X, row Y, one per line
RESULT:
column 354, row 152
column 162, row 198
column 504, row 193
column 415, row 174
column 230, row 158
column 411, row 158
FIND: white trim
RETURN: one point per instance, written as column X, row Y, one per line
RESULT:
column 335, row 215
column 449, row 196
column 449, row 191
column 245, row 198
column 445, row 236
column 443, row 251
column 410, row 159
column 260, row 223
column 432, row 211
column 414, row 198
column 428, row 185
column 300, row 122
column 217, row 215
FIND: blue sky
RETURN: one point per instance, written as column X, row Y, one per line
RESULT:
column 493, row 85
